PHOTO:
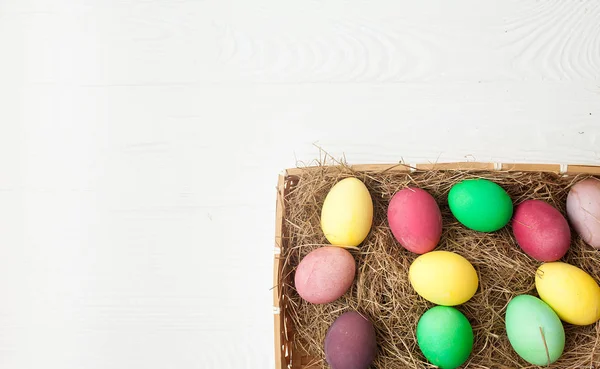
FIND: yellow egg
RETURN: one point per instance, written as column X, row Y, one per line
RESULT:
column 572, row 293
column 347, row 213
column 443, row 277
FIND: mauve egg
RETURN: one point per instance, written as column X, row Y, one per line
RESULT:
column 583, row 210
column 325, row 274
column 350, row 342
column 415, row 220
column 541, row 230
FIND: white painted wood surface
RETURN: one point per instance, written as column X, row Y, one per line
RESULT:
column 140, row 141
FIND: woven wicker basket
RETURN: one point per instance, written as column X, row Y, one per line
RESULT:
column 287, row 355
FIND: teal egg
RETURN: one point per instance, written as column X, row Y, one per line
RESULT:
column 480, row 204
column 445, row 337
column 534, row 330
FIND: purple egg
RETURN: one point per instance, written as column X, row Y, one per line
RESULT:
column 350, row 342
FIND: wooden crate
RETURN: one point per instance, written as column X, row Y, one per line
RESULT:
column 286, row 356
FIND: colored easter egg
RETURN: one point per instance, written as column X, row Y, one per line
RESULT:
column 443, row 277
column 583, row 210
column 325, row 274
column 534, row 330
column 347, row 213
column 415, row 220
column 480, row 204
column 350, row 342
column 541, row 230
column 445, row 337
column 571, row 292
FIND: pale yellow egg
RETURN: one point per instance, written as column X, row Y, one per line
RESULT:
column 347, row 213
column 443, row 277
column 572, row 293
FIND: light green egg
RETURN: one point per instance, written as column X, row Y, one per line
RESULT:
column 534, row 330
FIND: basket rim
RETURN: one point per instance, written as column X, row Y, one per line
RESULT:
column 283, row 355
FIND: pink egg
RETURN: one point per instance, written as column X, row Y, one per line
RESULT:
column 583, row 210
column 325, row 274
column 415, row 220
column 541, row 230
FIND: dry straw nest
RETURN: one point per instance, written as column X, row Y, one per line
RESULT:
column 382, row 291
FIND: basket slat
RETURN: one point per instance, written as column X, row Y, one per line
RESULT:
column 584, row 169
column 473, row 166
column 278, row 315
column 553, row 168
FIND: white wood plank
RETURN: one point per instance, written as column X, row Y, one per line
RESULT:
column 268, row 41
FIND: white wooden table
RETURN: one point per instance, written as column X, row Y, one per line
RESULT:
column 140, row 142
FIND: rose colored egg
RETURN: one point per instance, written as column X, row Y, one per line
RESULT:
column 583, row 210
column 415, row 220
column 541, row 230
column 350, row 342
column 325, row 274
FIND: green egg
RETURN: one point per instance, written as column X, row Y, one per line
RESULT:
column 480, row 204
column 445, row 337
column 534, row 330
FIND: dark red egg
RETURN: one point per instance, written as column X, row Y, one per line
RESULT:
column 541, row 230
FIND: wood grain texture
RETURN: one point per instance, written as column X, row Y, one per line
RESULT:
column 556, row 40
column 141, row 141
